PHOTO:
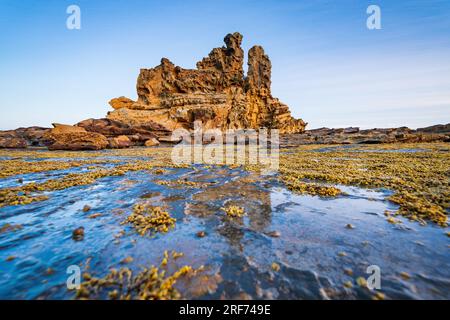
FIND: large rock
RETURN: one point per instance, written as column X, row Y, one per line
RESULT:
column 120, row 142
column 12, row 142
column 65, row 137
column 22, row 137
column 151, row 143
column 136, row 132
column 217, row 93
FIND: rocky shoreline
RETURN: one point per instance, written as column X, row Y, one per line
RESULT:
column 218, row 94
column 97, row 134
column 354, row 135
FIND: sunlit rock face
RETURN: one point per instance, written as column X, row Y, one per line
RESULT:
column 216, row 93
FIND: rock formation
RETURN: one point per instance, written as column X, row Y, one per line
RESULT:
column 65, row 137
column 354, row 135
column 216, row 93
column 111, row 129
column 22, row 137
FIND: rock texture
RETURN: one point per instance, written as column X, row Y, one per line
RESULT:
column 120, row 142
column 12, row 142
column 354, row 135
column 138, row 134
column 439, row 128
column 22, row 137
column 66, row 137
column 216, row 93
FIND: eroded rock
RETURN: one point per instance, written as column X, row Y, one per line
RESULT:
column 120, row 142
column 12, row 142
column 66, row 137
column 216, row 93
column 368, row 136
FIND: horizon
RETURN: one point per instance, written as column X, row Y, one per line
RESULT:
column 326, row 65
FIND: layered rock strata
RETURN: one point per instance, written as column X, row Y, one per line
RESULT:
column 217, row 93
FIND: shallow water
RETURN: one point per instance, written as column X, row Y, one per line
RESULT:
column 311, row 234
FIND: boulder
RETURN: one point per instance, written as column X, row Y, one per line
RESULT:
column 151, row 142
column 22, row 137
column 136, row 133
column 66, row 137
column 12, row 142
column 120, row 142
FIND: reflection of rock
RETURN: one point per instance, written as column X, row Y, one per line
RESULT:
column 240, row 192
column 65, row 137
column 216, row 93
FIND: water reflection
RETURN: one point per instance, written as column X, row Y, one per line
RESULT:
column 303, row 235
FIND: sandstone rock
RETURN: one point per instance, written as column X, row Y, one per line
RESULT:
column 65, row 128
column 12, row 142
column 439, row 128
column 121, row 102
column 33, row 135
column 15, row 138
column 137, row 134
column 367, row 136
column 170, row 139
column 217, row 93
column 351, row 130
column 120, row 142
column 151, row 142
column 66, row 137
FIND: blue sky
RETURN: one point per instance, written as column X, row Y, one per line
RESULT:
column 326, row 65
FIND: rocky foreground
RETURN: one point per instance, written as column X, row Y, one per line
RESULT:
column 141, row 227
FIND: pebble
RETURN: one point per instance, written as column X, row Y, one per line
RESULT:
column 405, row 275
column 274, row 234
column 127, row 260
column 201, row 234
column 78, row 234
column 275, row 267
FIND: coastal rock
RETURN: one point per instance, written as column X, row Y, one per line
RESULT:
column 368, row 136
column 22, row 137
column 439, row 128
column 151, row 142
column 138, row 134
column 120, row 142
column 12, row 142
column 216, row 93
column 66, row 137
